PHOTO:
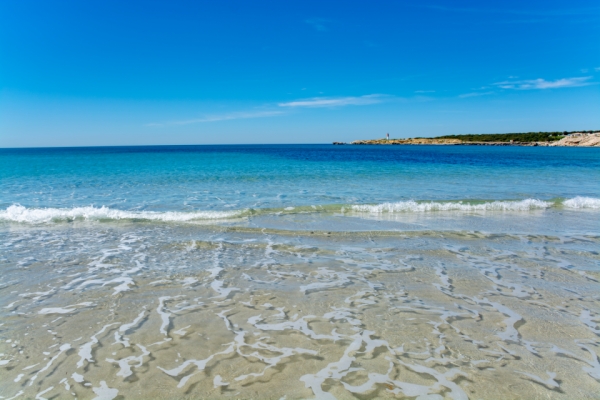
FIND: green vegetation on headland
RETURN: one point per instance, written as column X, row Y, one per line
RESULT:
column 515, row 137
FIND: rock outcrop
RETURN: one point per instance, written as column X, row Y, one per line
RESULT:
column 579, row 140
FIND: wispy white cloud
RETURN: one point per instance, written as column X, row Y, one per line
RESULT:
column 221, row 117
column 317, row 23
column 270, row 110
column 597, row 69
column 424, row 91
column 335, row 101
column 544, row 84
column 474, row 94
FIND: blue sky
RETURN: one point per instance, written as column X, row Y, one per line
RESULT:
column 79, row 73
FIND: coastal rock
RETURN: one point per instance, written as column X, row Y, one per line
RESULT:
column 579, row 140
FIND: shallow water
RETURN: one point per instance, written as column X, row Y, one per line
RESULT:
column 340, row 300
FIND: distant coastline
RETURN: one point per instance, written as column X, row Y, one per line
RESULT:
column 550, row 139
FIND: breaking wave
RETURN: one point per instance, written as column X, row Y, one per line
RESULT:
column 582, row 202
column 416, row 206
column 19, row 213
column 470, row 206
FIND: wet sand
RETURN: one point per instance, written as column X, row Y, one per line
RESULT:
column 144, row 311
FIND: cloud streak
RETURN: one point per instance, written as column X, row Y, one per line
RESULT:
column 317, row 102
column 222, row 117
column 540, row 84
column 474, row 94
column 283, row 108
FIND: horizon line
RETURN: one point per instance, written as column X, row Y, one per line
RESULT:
column 281, row 144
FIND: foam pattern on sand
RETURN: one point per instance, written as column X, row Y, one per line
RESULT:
column 169, row 311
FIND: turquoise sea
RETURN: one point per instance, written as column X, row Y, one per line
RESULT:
column 306, row 271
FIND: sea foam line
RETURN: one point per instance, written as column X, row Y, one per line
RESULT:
column 19, row 213
column 578, row 202
column 582, row 202
column 414, row 206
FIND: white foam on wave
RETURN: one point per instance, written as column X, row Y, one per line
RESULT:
column 582, row 202
column 19, row 213
column 414, row 206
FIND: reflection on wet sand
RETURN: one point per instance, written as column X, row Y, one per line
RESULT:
column 144, row 311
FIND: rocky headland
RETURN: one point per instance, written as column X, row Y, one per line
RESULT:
column 576, row 139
